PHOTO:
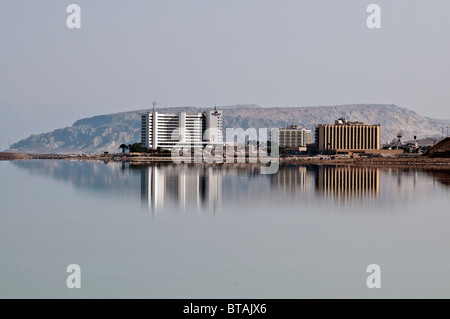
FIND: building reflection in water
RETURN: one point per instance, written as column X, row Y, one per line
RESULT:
column 347, row 183
column 183, row 186
column 292, row 179
column 208, row 188
column 202, row 187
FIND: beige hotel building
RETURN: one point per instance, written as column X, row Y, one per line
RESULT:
column 346, row 136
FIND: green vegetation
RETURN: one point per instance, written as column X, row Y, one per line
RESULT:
column 137, row 148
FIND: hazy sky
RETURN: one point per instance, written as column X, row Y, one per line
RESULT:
column 201, row 52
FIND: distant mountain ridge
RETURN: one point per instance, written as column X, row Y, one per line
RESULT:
column 107, row 132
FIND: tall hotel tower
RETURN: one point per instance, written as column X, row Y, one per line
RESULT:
column 169, row 130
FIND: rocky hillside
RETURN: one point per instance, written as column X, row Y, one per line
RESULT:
column 106, row 132
column 441, row 149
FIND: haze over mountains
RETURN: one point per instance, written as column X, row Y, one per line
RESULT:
column 107, row 132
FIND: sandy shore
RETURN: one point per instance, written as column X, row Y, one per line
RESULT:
column 294, row 160
column 373, row 161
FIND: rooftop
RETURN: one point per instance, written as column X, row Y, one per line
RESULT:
column 343, row 121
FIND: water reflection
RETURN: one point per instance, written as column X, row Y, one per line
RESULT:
column 440, row 176
column 182, row 185
column 348, row 183
column 211, row 188
column 293, row 179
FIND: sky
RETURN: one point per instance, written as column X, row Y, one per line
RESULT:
column 273, row 53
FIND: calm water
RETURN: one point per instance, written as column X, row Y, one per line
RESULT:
column 222, row 232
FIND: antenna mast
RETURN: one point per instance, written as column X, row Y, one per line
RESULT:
column 154, row 106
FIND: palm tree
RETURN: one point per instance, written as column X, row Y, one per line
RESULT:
column 123, row 147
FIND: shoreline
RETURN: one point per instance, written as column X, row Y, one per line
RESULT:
column 391, row 161
column 421, row 161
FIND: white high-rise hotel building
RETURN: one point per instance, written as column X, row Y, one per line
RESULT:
column 157, row 129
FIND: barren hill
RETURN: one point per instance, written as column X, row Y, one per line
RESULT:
column 106, row 132
column 441, row 149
